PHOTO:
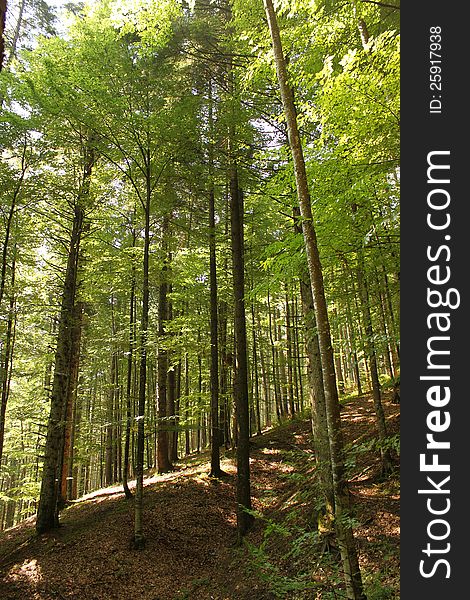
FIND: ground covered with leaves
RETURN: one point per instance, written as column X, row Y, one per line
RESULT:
column 190, row 528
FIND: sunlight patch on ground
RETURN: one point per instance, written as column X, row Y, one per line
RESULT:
column 181, row 472
column 361, row 418
column 29, row 571
column 377, row 491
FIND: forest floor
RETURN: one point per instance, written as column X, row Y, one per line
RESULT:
column 190, row 528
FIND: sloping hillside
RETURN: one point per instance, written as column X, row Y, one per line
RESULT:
column 190, row 526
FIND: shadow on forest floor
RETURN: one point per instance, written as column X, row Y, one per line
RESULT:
column 190, row 527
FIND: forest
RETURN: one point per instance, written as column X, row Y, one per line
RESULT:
column 199, row 299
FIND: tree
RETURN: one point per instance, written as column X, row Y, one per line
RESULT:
column 208, row 195
column 48, row 507
column 3, row 17
column 341, row 494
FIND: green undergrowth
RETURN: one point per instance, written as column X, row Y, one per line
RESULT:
column 292, row 558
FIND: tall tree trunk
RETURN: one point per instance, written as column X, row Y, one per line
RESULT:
column 216, row 436
column 317, row 391
column 298, row 381
column 223, row 384
column 164, row 464
column 48, row 517
column 352, row 337
column 174, row 452
column 110, row 429
column 214, row 360
column 130, row 362
column 265, row 376
column 372, row 361
column 255, row 372
column 290, row 356
column 277, row 392
column 187, row 439
column 9, row 221
column 344, row 532
column 240, row 386
column 6, row 360
column 282, row 367
column 16, row 34
column 3, row 16
column 338, row 367
column 171, row 389
column 139, row 539
column 70, row 402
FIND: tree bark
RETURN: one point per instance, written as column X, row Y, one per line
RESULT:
column 110, row 429
column 7, row 357
column 71, row 400
column 130, row 362
column 47, row 516
column 214, row 364
column 3, row 16
column 139, row 539
column 164, row 464
column 317, row 391
column 372, row 361
column 9, row 223
column 344, row 532
column 16, row 34
column 240, row 385
column 290, row 356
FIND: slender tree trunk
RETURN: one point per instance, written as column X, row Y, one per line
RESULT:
column 7, row 357
column 277, row 393
column 317, row 393
column 171, row 386
column 187, row 439
column 387, row 352
column 372, row 361
column 353, row 340
column 282, row 368
column 130, row 362
column 9, row 220
column 298, row 366
column 110, row 430
column 244, row 519
column 223, row 385
column 290, row 356
column 3, row 16
column 344, row 532
column 199, row 398
column 171, row 398
column 338, row 367
column 16, row 34
column 164, row 464
column 214, row 361
column 174, row 452
column 265, row 376
column 390, row 316
column 255, row 372
column 139, row 539
column 75, row 470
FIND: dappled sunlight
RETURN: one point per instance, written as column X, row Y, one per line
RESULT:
column 190, row 526
column 29, row 571
column 270, row 451
column 377, row 491
column 181, row 472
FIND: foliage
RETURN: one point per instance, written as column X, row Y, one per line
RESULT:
column 168, row 97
